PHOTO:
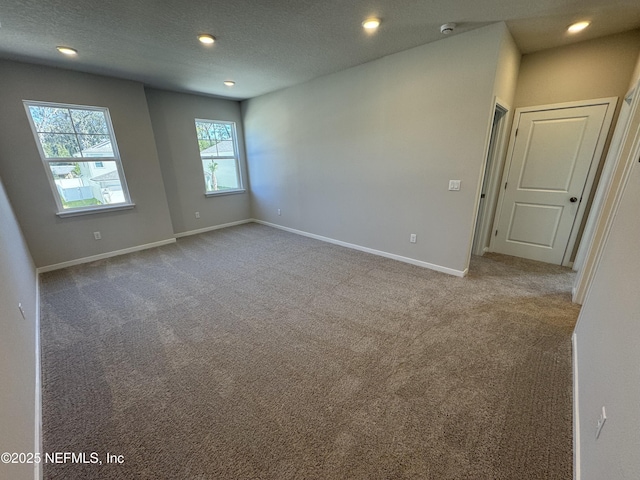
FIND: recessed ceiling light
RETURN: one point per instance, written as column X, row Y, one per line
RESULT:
column 229, row 83
column 67, row 50
column 371, row 23
column 206, row 38
column 578, row 27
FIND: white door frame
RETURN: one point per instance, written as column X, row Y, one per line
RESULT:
column 615, row 174
column 611, row 102
column 492, row 169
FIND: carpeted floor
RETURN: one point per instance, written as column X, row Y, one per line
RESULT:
column 252, row 353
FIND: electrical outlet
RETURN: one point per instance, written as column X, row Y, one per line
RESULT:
column 278, row 211
column 97, row 235
column 413, row 238
column 197, row 214
column 601, row 420
column 454, row 185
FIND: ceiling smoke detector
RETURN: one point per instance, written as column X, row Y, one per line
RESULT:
column 447, row 28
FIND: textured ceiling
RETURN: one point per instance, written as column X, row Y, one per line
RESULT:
column 271, row 44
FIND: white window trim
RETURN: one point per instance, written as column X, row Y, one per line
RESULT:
column 70, row 212
column 75, row 212
column 229, row 191
column 234, row 136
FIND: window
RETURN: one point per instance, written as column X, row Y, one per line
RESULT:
column 219, row 155
column 78, row 148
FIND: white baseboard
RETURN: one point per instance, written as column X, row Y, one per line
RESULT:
column 576, row 412
column 400, row 258
column 393, row 256
column 137, row 248
column 37, row 442
column 215, row 227
column 102, row 256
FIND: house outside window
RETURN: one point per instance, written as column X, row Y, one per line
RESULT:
column 78, row 148
column 218, row 146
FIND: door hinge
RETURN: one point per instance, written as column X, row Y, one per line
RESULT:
column 517, row 129
column 496, row 234
column 482, row 195
column 505, row 185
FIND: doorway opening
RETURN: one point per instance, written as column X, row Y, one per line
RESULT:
column 490, row 182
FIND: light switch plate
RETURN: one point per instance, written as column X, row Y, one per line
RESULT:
column 454, row 185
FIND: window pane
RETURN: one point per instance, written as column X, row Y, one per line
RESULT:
column 211, row 131
column 202, row 131
column 59, row 145
column 85, row 184
column 226, row 148
column 96, row 146
column 89, row 121
column 215, row 139
column 221, row 131
column 205, row 144
column 51, row 120
column 220, row 174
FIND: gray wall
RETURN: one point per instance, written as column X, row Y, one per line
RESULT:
column 636, row 75
column 52, row 239
column 172, row 117
column 17, row 342
column 592, row 69
column 365, row 155
column 607, row 336
column 508, row 70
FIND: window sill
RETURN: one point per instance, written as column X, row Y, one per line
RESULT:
column 224, row 192
column 90, row 211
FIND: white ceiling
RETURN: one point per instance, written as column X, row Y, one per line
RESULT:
column 271, row 44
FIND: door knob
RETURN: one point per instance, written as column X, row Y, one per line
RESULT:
column 573, row 199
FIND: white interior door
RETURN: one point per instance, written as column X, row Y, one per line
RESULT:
column 551, row 157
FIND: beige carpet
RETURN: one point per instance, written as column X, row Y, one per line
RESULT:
column 251, row 353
